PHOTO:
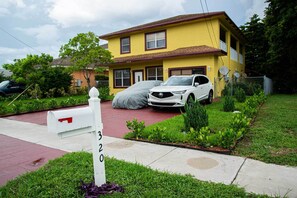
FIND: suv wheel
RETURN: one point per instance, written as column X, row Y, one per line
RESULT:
column 210, row 97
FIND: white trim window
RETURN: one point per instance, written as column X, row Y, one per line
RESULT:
column 122, row 78
column 155, row 40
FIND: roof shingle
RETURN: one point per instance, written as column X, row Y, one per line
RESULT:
column 168, row 21
column 180, row 52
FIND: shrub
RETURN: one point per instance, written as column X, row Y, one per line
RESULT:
column 63, row 103
column 61, row 92
column 158, row 134
column 195, row 116
column 136, row 127
column 199, row 137
column 227, row 90
column 228, row 105
column 16, row 107
column 82, row 91
column 3, row 109
column 253, row 88
column 240, row 95
column 39, row 105
column 72, row 91
column 51, row 93
column 239, row 122
column 250, row 108
column 227, row 138
column 71, row 101
column 103, row 93
column 30, row 107
column 35, row 92
column 52, row 103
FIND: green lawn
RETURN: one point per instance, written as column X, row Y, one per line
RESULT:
column 273, row 136
column 61, row 178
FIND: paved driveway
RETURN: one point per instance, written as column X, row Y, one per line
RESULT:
column 114, row 120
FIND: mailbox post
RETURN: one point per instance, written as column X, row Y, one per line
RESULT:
column 97, row 142
column 67, row 123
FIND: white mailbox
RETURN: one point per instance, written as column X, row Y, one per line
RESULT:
column 67, row 123
column 71, row 122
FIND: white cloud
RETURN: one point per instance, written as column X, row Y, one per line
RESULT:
column 254, row 7
column 45, row 34
column 93, row 12
column 8, row 3
column 16, row 8
column 9, row 54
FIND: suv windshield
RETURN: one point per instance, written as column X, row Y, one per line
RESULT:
column 179, row 81
column 4, row 83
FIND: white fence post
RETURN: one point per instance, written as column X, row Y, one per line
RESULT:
column 97, row 138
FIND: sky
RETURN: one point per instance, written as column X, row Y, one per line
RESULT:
column 43, row 26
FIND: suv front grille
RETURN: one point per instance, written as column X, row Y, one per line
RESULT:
column 163, row 104
column 162, row 94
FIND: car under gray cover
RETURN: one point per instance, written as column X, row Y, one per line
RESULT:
column 135, row 96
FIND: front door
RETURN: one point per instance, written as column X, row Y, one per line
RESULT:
column 138, row 76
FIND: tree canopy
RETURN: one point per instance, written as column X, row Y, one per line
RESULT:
column 24, row 70
column 256, row 47
column 281, row 32
column 271, row 48
column 36, row 70
column 85, row 53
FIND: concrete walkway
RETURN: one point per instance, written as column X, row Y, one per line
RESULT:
column 254, row 176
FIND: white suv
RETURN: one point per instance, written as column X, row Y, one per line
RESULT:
column 178, row 90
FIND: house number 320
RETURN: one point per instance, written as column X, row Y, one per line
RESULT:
column 101, row 155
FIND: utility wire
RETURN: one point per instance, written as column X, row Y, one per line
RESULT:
column 20, row 40
column 211, row 26
column 206, row 24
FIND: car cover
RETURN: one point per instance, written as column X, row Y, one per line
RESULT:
column 135, row 96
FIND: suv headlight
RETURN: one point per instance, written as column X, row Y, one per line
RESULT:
column 179, row 92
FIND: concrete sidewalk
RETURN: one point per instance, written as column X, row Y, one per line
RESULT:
column 254, row 176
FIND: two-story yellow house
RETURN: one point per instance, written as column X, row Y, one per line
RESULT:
column 181, row 45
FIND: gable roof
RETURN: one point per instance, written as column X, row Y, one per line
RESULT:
column 180, row 52
column 169, row 21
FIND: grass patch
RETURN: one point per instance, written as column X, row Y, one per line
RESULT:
column 273, row 136
column 61, row 178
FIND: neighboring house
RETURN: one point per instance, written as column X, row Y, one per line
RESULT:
column 78, row 77
column 181, row 45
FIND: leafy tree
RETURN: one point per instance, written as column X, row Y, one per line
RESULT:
column 256, row 47
column 36, row 70
column 85, row 53
column 281, row 32
column 24, row 70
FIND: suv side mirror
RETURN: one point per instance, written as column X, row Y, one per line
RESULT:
column 196, row 84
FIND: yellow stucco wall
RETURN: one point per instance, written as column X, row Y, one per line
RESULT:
column 194, row 33
column 186, row 35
